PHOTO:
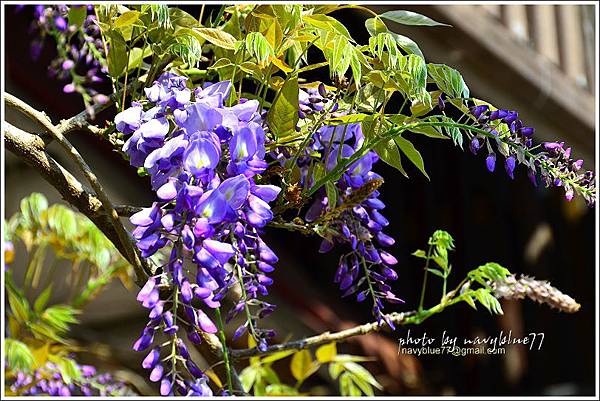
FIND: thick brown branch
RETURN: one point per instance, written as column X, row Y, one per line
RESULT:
column 124, row 238
column 31, row 149
column 324, row 338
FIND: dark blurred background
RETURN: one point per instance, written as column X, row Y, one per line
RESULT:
column 538, row 60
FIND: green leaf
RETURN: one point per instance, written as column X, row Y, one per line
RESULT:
column 182, row 19
column 363, row 373
column 419, row 253
column 410, row 18
column 136, row 57
column 448, row 80
column 277, row 356
column 217, row 37
column 375, row 26
column 332, row 194
column 490, row 302
column 339, row 58
column 42, row 299
column 436, row 272
column 18, row 355
column 185, row 44
column 159, row 13
column 388, row 151
column 77, row 15
column 335, row 369
column 44, row 332
column 412, row 153
column 327, row 23
column 283, row 115
column 68, row 369
column 274, row 390
column 248, row 377
column 347, row 386
column 407, row 44
column 59, row 317
column 355, row 65
column 268, row 375
column 326, row 353
column 413, row 70
column 259, row 47
column 347, row 119
column 32, row 206
column 117, row 54
column 126, row 19
column 363, row 386
column 301, row 365
column 469, row 300
column 19, row 306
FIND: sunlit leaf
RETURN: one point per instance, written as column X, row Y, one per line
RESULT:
column 77, row 15
column 18, row 355
column 117, row 54
column 217, row 37
column 126, row 19
column 388, row 151
column 326, row 353
column 412, row 153
column 283, row 115
column 301, row 364
column 410, row 18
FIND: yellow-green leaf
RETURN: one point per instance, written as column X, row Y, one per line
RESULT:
column 387, row 150
column 126, row 19
column 117, row 54
column 301, row 364
column 77, row 15
column 326, row 353
column 283, row 115
column 412, row 153
column 217, row 37
column 277, row 356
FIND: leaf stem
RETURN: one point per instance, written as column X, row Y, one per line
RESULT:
column 225, row 350
column 423, row 288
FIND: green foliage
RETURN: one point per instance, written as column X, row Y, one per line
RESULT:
column 410, row 18
column 72, row 237
column 475, row 287
column 158, row 13
column 18, row 355
column 283, row 115
column 260, row 378
column 185, row 45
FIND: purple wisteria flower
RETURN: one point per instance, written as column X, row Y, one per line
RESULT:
column 366, row 268
column 514, row 141
column 49, row 381
column 79, row 48
column 210, row 214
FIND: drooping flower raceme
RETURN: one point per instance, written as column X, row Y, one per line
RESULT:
column 514, row 141
column 354, row 218
column 79, row 48
column 202, row 157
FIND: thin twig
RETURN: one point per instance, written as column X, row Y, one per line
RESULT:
column 82, row 120
column 327, row 337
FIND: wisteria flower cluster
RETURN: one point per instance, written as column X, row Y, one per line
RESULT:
column 515, row 141
column 79, row 61
column 48, row 380
column 354, row 218
column 202, row 157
